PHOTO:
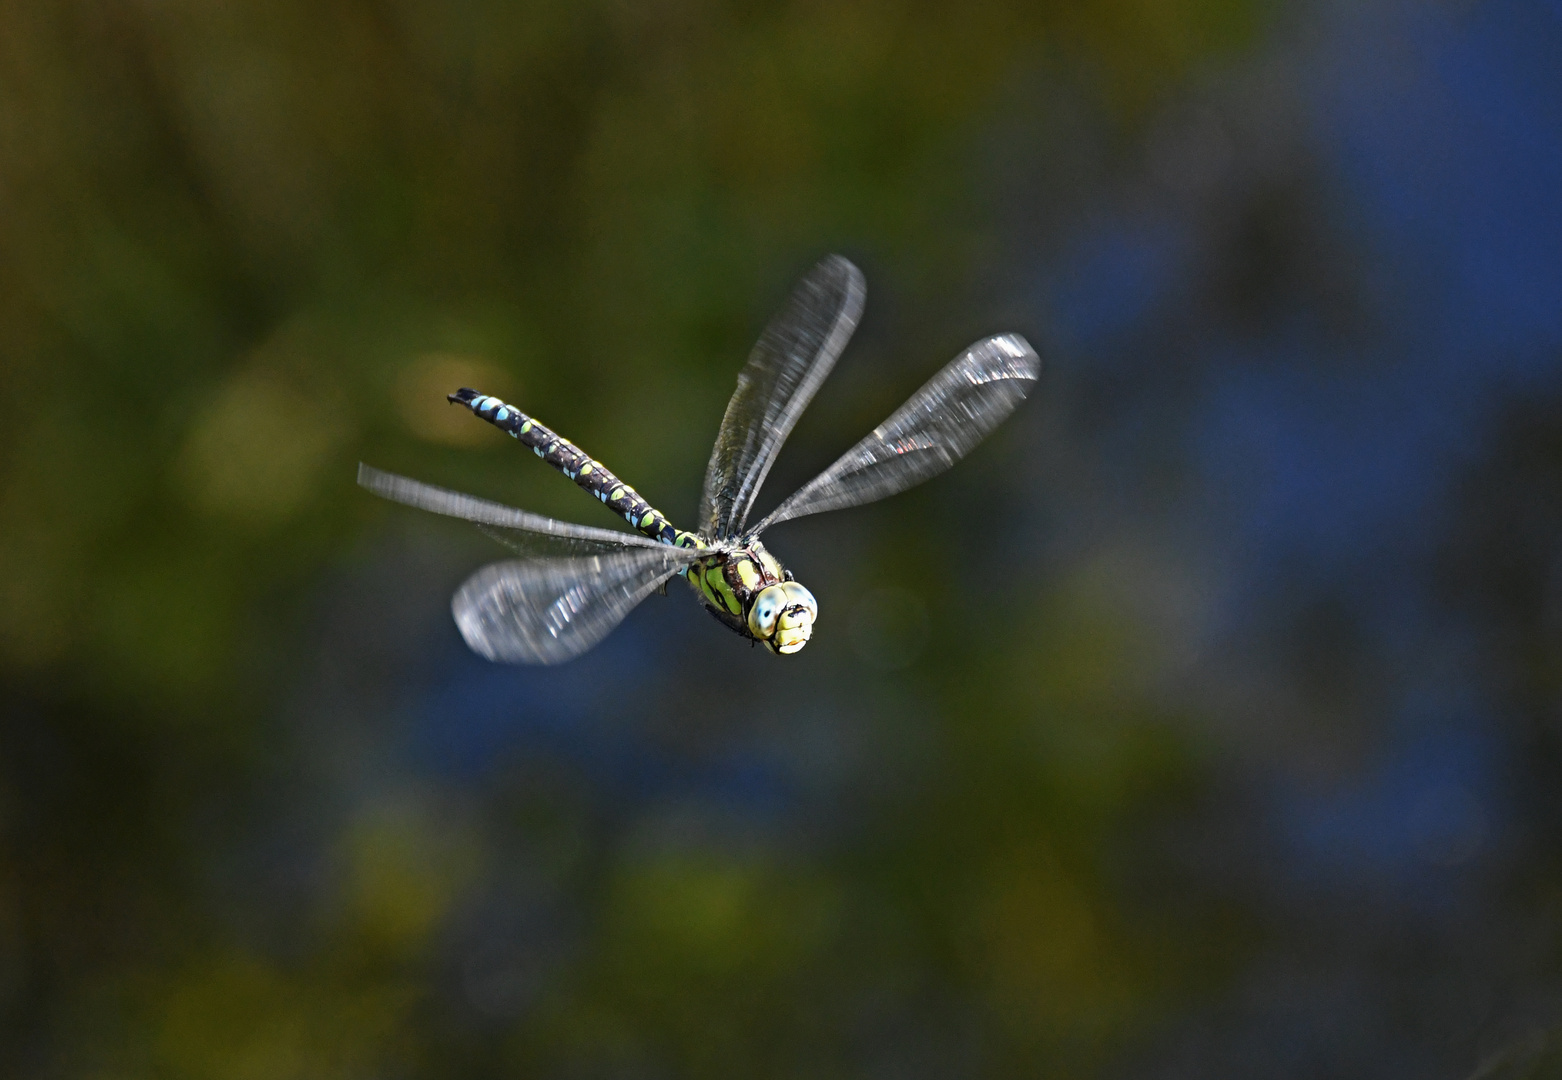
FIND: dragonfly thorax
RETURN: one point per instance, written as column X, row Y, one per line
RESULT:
column 748, row 591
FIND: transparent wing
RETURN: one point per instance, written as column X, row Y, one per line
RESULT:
column 519, row 530
column 936, row 427
column 547, row 611
column 794, row 354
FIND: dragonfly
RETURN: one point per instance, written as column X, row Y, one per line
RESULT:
column 572, row 584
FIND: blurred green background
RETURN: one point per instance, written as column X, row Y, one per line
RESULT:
column 1203, row 722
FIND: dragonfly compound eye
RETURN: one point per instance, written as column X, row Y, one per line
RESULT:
column 767, row 608
column 796, row 621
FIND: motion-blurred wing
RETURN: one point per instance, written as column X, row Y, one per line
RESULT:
column 940, row 424
column 794, row 354
column 523, row 532
column 547, row 611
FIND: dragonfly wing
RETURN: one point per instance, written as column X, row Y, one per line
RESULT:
column 794, row 354
column 520, row 530
column 936, row 427
column 547, row 611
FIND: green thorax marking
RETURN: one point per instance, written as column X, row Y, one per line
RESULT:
column 728, row 581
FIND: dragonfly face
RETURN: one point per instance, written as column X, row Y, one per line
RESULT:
column 571, row 584
column 783, row 617
column 748, row 591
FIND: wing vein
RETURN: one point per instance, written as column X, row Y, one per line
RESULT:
column 794, row 354
column 522, row 530
column 936, row 427
column 547, row 611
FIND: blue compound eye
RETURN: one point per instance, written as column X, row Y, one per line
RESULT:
column 767, row 608
column 797, row 596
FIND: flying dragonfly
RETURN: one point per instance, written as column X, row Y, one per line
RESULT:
column 573, row 583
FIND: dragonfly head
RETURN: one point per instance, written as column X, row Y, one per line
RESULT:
column 782, row 616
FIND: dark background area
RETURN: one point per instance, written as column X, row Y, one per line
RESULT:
column 1206, row 721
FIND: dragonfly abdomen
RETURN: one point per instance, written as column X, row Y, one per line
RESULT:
column 576, row 464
